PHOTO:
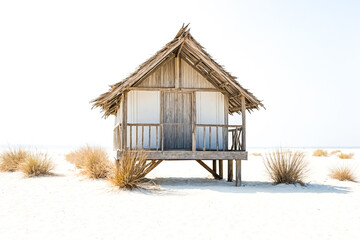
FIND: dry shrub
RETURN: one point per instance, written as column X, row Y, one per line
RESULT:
column 285, row 166
column 11, row 159
column 320, row 153
column 77, row 157
column 131, row 171
column 343, row 173
column 256, row 154
column 335, row 152
column 36, row 164
column 93, row 160
column 97, row 163
column 346, row 156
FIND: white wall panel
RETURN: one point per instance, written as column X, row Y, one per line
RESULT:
column 209, row 110
column 143, row 107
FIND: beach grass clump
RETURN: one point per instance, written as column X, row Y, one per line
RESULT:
column 11, row 159
column 37, row 164
column 335, row 152
column 256, row 154
column 285, row 166
column 131, row 170
column 346, row 155
column 320, row 153
column 94, row 161
column 342, row 173
column 77, row 157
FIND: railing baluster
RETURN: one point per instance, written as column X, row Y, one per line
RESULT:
column 209, row 137
column 217, row 138
column 204, row 139
column 223, row 137
column 142, row 137
column 130, row 136
column 162, row 137
column 149, row 136
column 157, row 138
column 137, row 137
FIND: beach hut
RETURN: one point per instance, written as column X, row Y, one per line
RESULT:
column 175, row 106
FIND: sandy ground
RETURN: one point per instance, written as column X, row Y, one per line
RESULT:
column 189, row 205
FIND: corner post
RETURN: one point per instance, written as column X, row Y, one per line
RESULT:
column 243, row 141
column 193, row 96
column 124, row 122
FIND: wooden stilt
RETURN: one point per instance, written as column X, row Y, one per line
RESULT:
column 230, row 170
column 238, row 173
column 221, row 174
column 214, row 165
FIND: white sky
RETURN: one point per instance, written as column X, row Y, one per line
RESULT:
column 301, row 57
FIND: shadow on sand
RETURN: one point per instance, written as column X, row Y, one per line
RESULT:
column 247, row 186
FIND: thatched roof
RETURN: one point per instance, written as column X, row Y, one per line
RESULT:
column 194, row 54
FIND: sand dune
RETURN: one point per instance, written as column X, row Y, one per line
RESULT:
column 189, row 205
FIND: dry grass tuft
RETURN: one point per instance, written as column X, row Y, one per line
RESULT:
column 285, row 166
column 132, row 170
column 256, row 154
column 93, row 160
column 335, row 152
column 97, row 163
column 346, row 156
column 320, row 153
column 11, row 159
column 36, row 164
column 343, row 173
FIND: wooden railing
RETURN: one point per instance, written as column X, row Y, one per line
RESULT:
column 215, row 137
column 208, row 137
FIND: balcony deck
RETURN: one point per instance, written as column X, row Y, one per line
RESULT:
column 193, row 155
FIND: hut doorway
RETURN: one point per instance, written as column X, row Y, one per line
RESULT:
column 177, row 117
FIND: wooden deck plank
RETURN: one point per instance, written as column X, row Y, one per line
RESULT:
column 198, row 155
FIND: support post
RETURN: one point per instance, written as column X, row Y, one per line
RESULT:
column 124, row 121
column 238, row 172
column 243, row 141
column 193, row 106
column 221, row 165
column 214, row 165
column 243, row 118
column 230, row 170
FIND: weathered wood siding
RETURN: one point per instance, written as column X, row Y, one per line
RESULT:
column 209, row 110
column 177, row 120
column 190, row 78
column 143, row 107
column 162, row 77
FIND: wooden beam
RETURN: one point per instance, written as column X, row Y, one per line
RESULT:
column 178, row 89
column 209, row 169
column 198, row 155
column 224, row 84
column 180, row 48
column 177, row 72
column 153, row 165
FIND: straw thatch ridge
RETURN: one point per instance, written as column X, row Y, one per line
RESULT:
column 194, row 54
